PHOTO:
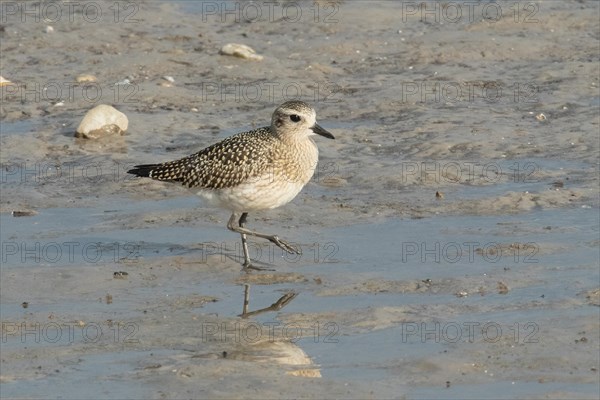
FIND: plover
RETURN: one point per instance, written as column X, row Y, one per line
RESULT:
column 256, row 170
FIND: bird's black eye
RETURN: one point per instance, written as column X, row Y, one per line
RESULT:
column 295, row 118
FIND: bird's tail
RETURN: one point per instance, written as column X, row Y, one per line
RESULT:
column 174, row 171
column 143, row 170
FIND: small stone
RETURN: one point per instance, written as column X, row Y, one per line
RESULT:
column 502, row 288
column 84, row 78
column 4, row 82
column 241, row 51
column 120, row 275
column 439, row 195
column 333, row 181
column 23, row 213
column 49, row 29
column 540, row 117
column 169, row 78
column 102, row 120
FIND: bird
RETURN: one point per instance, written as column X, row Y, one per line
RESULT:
column 260, row 169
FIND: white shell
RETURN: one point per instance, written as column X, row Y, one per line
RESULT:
column 102, row 120
column 85, row 78
column 240, row 50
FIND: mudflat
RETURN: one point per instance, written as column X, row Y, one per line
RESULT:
column 449, row 236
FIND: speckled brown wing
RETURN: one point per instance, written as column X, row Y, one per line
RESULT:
column 228, row 163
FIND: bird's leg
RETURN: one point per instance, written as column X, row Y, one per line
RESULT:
column 246, row 299
column 272, row 238
column 243, row 231
column 247, row 264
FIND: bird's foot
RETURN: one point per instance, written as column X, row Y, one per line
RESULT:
column 247, row 267
column 285, row 246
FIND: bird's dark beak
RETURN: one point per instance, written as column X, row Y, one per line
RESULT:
column 320, row 131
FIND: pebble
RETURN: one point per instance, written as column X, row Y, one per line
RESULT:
column 23, row 213
column 241, row 51
column 86, row 78
column 102, row 120
column 120, row 275
column 49, row 29
column 167, row 81
column 502, row 288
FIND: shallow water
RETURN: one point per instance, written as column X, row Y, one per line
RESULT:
column 393, row 302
